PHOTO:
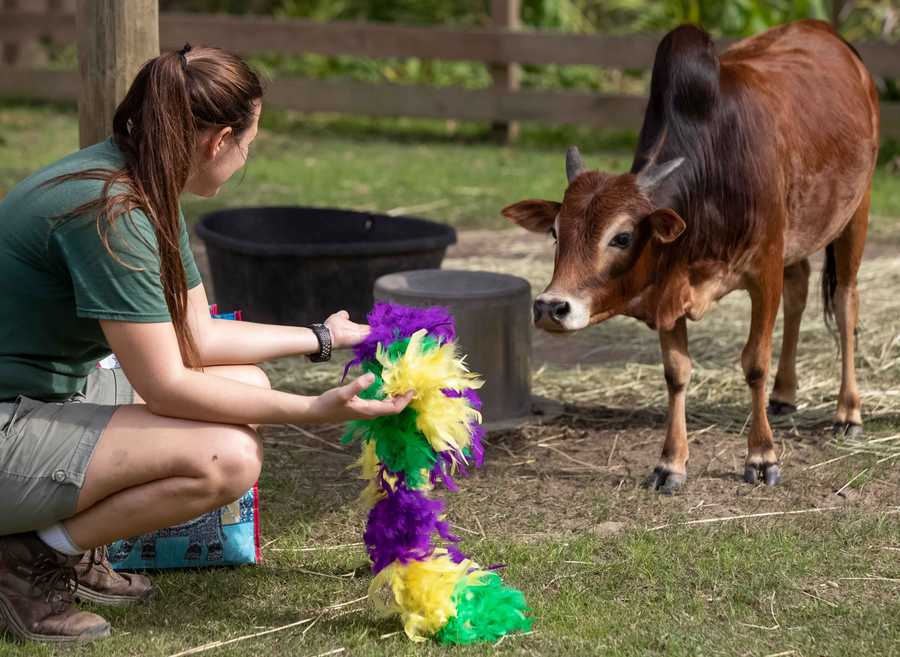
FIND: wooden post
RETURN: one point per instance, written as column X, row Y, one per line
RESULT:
column 505, row 14
column 115, row 38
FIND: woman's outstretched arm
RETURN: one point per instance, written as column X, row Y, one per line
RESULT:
column 151, row 359
column 223, row 342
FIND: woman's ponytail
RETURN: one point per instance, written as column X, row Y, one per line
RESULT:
column 154, row 127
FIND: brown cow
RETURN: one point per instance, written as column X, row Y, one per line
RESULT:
column 747, row 163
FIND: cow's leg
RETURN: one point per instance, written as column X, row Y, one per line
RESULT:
column 671, row 471
column 765, row 296
column 848, row 251
column 783, row 399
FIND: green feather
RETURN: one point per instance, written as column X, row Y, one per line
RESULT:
column 402, row 448
column 399, row 444
column 485, row 611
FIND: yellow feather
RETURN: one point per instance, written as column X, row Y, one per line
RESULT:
column 443, row 420
column 368, row 465
column 371, row 495
column 368, row 462
column 420, row 592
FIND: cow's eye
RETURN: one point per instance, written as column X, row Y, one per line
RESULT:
column 621, row 241
column 553, row 233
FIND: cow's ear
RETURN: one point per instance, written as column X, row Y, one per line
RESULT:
column 534, row 215
column 666, row 224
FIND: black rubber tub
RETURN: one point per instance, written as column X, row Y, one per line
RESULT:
column 297, row 265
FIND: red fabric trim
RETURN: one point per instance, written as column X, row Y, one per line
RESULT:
column 256, row 539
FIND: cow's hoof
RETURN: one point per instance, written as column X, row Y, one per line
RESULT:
column 781, row 408
column 847, row 430
column 664, row 480
column 767, row 473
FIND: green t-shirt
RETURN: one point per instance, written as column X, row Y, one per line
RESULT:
column 59, row 280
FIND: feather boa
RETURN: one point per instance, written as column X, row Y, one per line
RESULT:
column 420, row 574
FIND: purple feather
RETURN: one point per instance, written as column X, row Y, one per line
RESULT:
column 477, row 446
column 390, row 321
column 455, row 554
column 444, row 466
column 441, row 471
column 473, row 398
column 401, row 526
column 469, row 393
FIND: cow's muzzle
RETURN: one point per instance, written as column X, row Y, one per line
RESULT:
column 552, row 311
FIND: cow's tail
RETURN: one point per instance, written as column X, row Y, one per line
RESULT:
column 829, row 286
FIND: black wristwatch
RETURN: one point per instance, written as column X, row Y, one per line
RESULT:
column 323, row 335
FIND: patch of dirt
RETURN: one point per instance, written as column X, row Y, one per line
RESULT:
column 582, row 473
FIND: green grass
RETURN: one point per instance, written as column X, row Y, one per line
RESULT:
column 758, row 588
column 421, row 167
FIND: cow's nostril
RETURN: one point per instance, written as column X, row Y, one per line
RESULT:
column 554, row 310
column 560, row 310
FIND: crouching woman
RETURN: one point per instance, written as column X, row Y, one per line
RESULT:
column 95, row 257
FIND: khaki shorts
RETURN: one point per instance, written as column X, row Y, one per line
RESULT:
column 46, row 447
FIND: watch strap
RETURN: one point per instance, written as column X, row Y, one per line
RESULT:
column 323, row 335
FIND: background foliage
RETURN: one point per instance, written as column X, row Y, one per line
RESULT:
column 860, row 19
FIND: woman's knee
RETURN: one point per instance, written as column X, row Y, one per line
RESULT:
column 248, row 374
column 258, row 377
column 234, row 464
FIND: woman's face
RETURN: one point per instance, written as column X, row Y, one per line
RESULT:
column 219, row 155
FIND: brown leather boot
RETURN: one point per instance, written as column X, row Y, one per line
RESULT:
column 99, row 583
column 36, row 601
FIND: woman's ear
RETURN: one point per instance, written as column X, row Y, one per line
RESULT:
column 534, row 215
column 217, row 142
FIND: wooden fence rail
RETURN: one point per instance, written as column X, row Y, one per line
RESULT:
column 493, row 46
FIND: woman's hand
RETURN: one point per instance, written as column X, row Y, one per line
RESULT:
column 344, row 333
column 342, row 404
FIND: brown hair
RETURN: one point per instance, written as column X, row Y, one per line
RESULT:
column 172, row 100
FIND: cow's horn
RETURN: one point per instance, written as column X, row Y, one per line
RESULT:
column 574, row 163
column 653, row 174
